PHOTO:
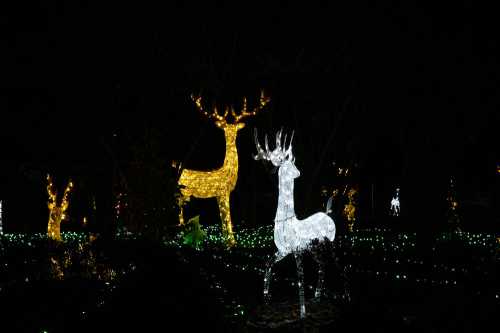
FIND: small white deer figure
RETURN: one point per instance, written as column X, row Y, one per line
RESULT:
column 395, row 205
column 291, row 235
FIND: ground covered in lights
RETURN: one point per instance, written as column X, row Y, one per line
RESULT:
column 377, row 279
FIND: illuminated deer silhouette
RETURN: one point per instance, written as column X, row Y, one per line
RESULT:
column 395, row 205
column 218, row 183
column 291, row 235
column 57, row 212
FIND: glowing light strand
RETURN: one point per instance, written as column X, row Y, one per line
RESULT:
column 218, row 183
column 291, row 235
column 57, row 212
column 453, row 215
column 350, row 209
column 1, row 218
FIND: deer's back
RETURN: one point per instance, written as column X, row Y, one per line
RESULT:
column 205, row 184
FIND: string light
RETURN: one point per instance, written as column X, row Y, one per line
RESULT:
column 1, row 218
column 120, row 205
column 377, row 255
column 57, row 212
column 453, row 215
column 218, row 183
column 350, row 209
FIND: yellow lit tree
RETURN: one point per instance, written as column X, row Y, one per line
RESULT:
column 350, row 209
column 57, row 212
column 218, row 183
column 453, row 212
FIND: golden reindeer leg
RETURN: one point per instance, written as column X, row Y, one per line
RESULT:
column 181, row 202
column 181, row 214
column 225, row 216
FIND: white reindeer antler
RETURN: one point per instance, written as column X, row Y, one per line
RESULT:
column 277, row 156
column 261, row 153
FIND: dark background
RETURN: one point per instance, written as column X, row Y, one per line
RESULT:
column 407, row 92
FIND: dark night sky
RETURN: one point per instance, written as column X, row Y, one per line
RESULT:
column 420, row 80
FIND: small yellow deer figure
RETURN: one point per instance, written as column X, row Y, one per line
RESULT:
column 218, row 183
column 57, row 212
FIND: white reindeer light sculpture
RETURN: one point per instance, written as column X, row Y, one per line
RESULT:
column 291, row 235
column 395, row 205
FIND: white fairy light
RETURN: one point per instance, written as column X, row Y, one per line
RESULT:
column 1, row 220
column 291, row 235
column 395, row 206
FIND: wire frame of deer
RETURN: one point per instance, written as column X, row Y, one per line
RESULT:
column 218, row 183
column 1, row 221
column 291, row 235
column 57, row 211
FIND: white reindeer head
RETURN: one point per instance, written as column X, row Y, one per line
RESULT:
column 281, row 156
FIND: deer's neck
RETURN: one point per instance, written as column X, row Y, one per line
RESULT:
column 286, row 209
column 231, row 158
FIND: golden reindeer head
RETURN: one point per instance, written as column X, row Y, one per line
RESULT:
column 221, row 121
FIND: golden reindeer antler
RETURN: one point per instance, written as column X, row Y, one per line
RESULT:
column 244, row 113
column 214, row 115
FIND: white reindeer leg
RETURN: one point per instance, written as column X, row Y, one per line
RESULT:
column 300, row 275
column 321, row 270
column 267, row 277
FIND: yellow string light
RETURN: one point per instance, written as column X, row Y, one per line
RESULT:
column 1, row 222
column 350, row 209
column 57, row 212
column 453, row 215
column 218, row 183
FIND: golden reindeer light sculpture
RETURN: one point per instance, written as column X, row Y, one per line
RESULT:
column 57, row 212
column 218, row 183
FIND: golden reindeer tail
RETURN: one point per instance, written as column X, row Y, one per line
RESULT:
column 177, row 169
